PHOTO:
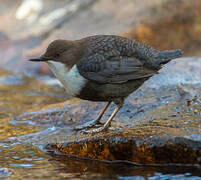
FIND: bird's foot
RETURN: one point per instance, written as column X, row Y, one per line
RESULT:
column 96, row 130
column 88, row 126
column 92, row 131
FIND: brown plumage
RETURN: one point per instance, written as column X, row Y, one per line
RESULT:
column 104, row 67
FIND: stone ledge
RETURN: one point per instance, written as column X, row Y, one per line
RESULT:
column 177, row 150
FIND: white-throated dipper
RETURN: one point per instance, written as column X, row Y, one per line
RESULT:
column 104, row 68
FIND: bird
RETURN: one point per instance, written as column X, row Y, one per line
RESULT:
column 105, row 68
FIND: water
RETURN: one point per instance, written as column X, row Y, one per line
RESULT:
column 24, row 134
column 26, row 161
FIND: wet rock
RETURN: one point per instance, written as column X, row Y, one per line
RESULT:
column 187, row 95
column 162, row 134
column 118, row 148
column 4, row 172
column 153, row 127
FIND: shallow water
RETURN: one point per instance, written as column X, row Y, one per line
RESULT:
column 26, row 161
column 22, row 139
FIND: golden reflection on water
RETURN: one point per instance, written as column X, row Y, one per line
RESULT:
column 17, row 99
column 23, row 160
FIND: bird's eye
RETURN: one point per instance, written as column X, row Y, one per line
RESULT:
column 57, row 54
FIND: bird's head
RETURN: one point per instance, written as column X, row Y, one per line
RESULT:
column 64, row 51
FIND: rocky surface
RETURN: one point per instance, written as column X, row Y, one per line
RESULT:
column 166, row 134
column 159, row 123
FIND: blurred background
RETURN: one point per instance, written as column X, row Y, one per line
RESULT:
column 28, row 26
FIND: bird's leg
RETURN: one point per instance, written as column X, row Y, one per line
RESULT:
column 97, row 121
column 102, row 112
column 108, row 122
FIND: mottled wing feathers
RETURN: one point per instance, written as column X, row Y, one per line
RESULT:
column 112, row 59
column 115, row 70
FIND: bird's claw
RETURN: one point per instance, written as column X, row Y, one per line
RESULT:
column 95, row 130
column 93, row 124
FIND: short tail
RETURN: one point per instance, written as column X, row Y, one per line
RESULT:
column 167, row 55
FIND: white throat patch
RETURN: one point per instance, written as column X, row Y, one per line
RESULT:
column 71, row 79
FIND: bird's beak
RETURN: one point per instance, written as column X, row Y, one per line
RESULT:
column 37, row 59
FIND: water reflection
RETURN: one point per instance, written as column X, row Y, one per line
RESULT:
column 103, row 170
